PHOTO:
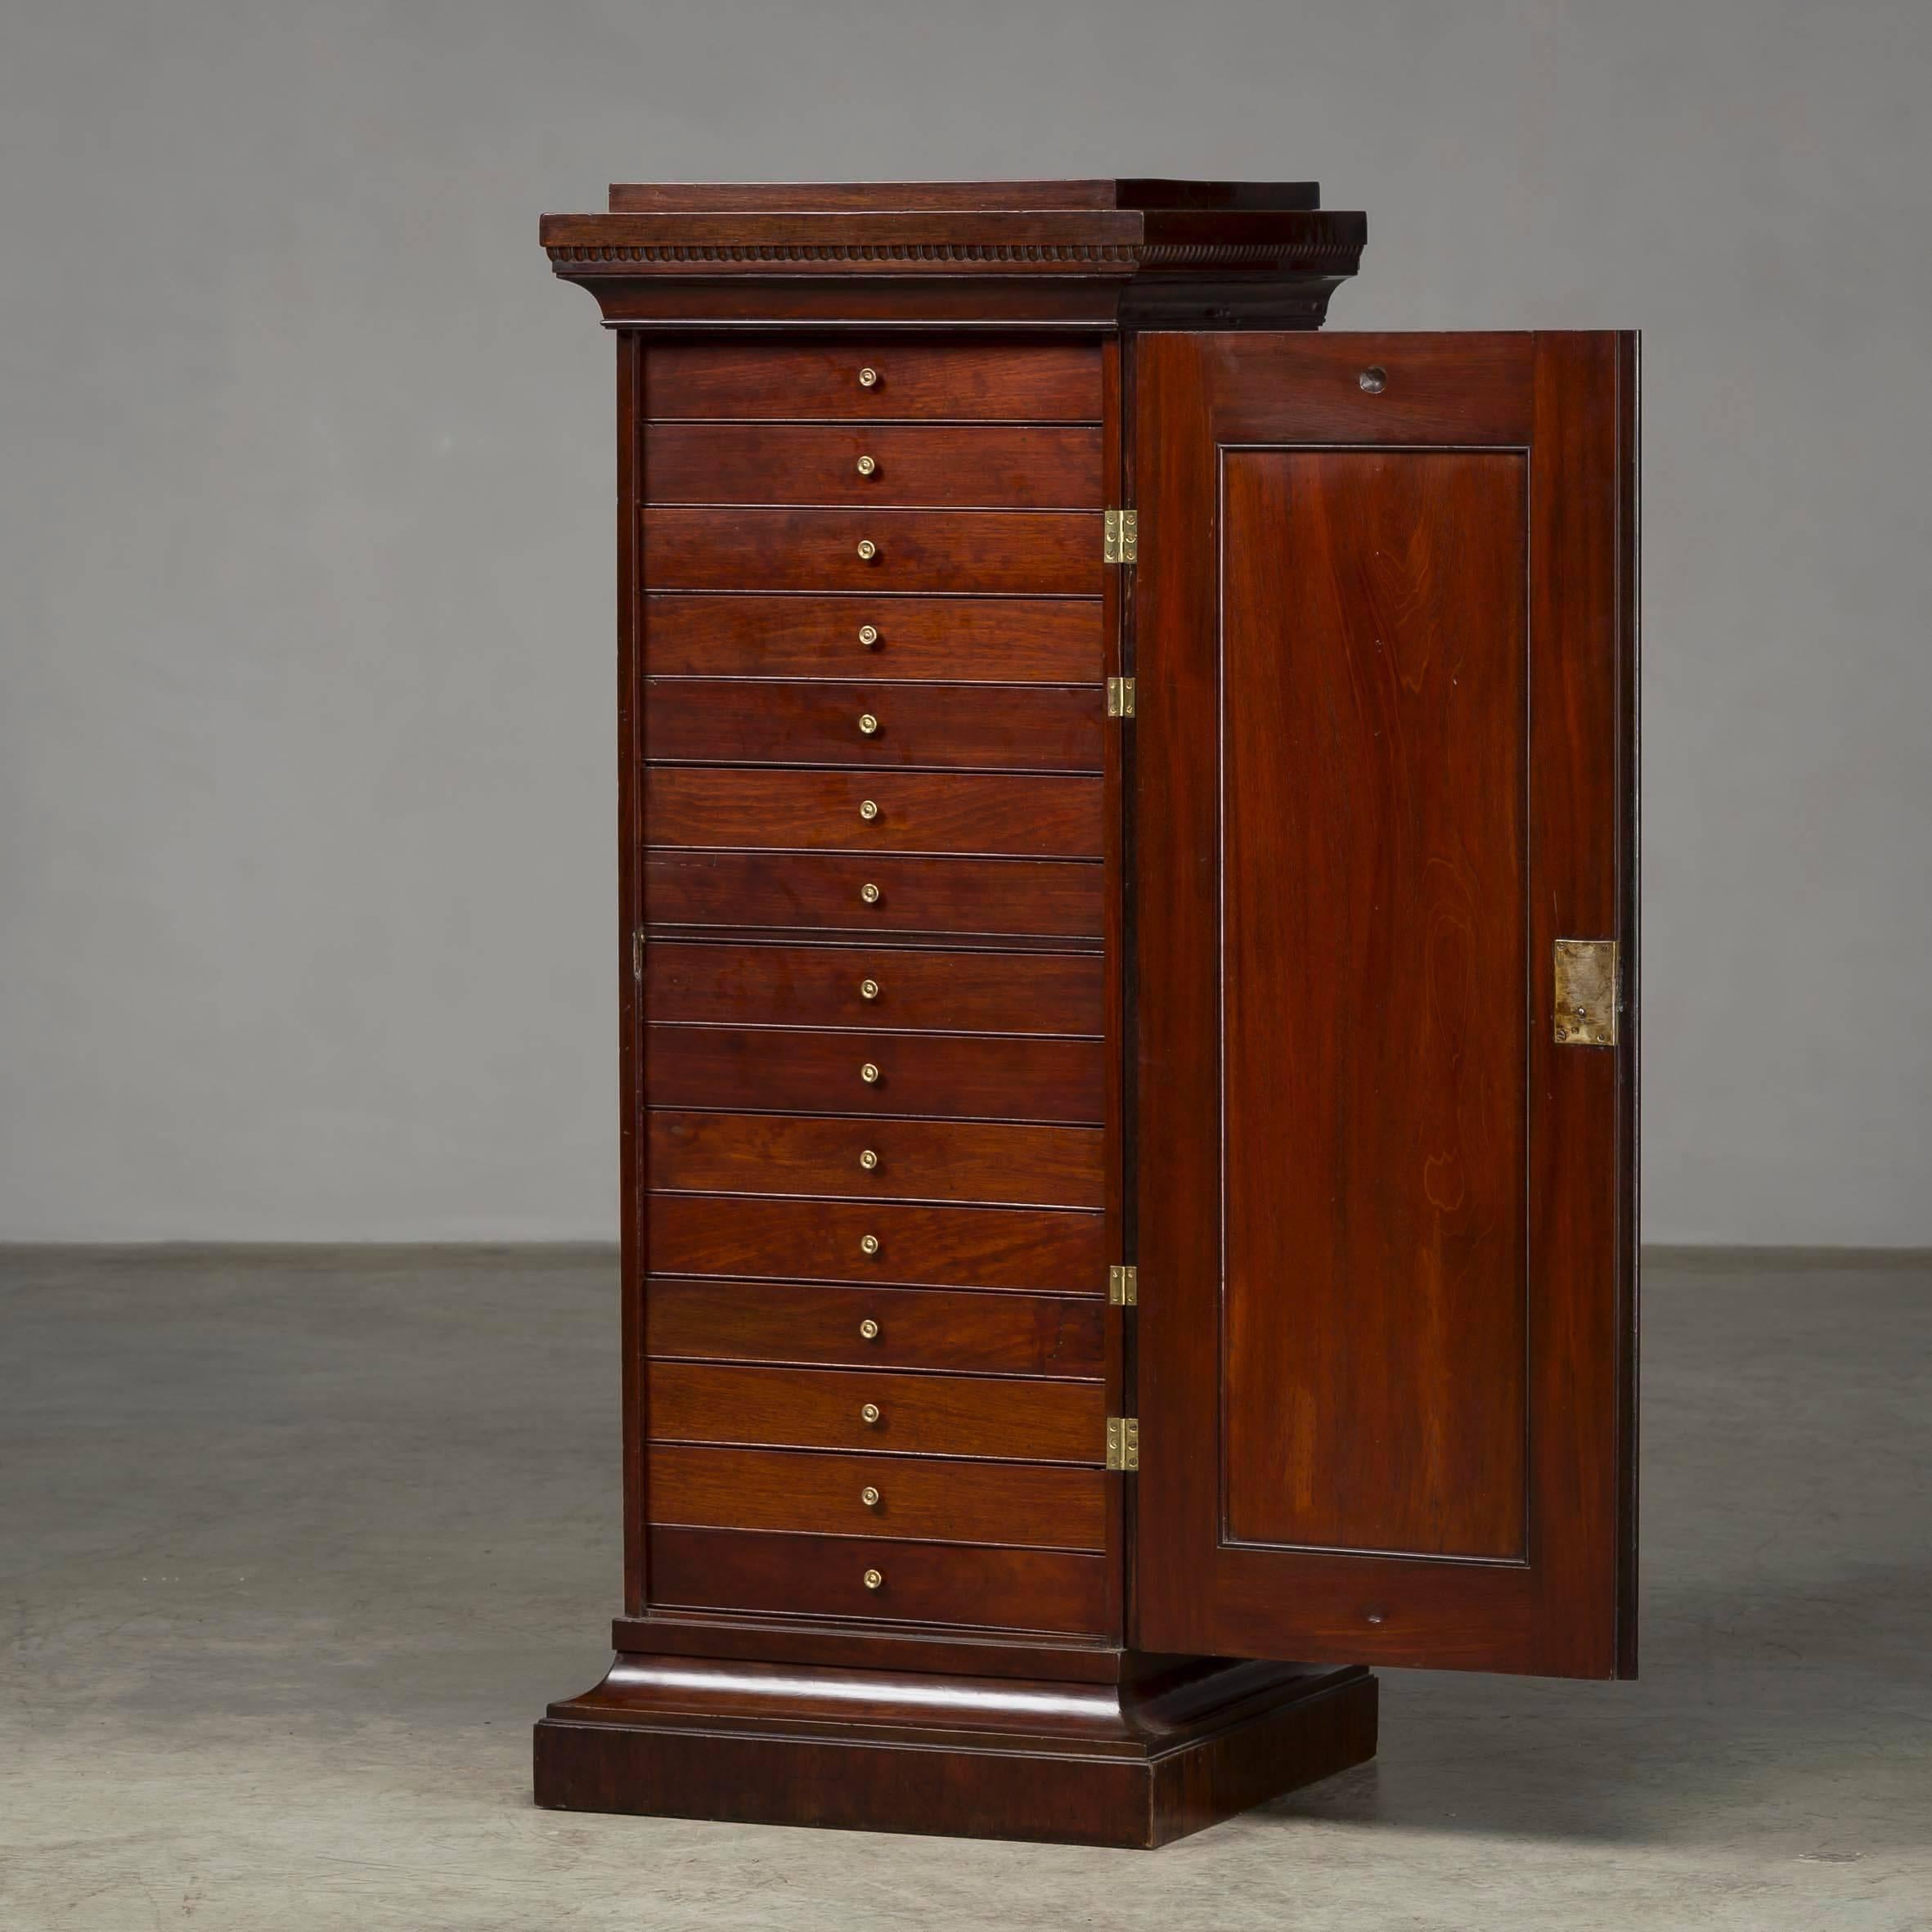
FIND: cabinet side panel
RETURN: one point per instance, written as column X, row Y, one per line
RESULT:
column 631, row 1150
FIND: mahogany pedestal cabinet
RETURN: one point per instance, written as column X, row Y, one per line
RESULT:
column 1127, row 880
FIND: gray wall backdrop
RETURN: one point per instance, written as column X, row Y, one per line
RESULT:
column 306, row 786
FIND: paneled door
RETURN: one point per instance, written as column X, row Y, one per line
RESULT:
column 1384, row 812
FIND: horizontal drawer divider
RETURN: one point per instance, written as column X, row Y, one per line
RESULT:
column 856, row 1026
column 700, row 1360
column 888, row 422
column 979, row 1459
column 906, row 939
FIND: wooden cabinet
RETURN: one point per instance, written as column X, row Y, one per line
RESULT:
column 1127, row 940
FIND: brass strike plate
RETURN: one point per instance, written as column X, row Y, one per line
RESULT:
column 1587, row 989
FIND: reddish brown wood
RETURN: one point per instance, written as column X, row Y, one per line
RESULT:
column 921, row 1583
column 1039, row 1250
column 982, row 640
column 736, row 721
column 912, row 990
column 1052, row 899
column 743, row 197
column 807, row 1324
column 1027, row 1421
column 1022, row 553
column 1022, row 1504
column 972, row 1077
column 979, row 812
column 957, row 465
column 975, row 1161
column 918, row 378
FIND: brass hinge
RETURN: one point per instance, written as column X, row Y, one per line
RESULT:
column 1123, row 1442
column 1123, row 1287
column 637, row 953
column 1586, row 992
column 1120, row 697
column 1120, row 537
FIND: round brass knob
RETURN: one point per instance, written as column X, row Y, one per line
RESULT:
column 869, row 635
column 869, row 1244
column 869, row 1497
column 869, row 893
column 866, row 465
column 869, row 1330
column 868, row 989
column 875, row 1579
column 868, row 726
column 868, row 550
column 868, row 378
column 869, row 1073
column 869, row 1414
column 869, row 1159
column 868, row 810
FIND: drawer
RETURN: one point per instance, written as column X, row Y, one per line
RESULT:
column 720, row 722
column 970, row 1161
column 918, row 1415
column 821, row 1495
column 928, row 380
column 800, row 1322
column 900, row 988
column 991, row 465
column 1044, row 1251
column 1053, row 1592
column 1025, row 552
column 893, row 811
column 966, row 1076
column 827, row 892
column 978, row 639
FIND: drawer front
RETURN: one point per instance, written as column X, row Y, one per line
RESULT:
column 770, row 1153
column 1017, row 898
column 892, row 811
column 713, row 721
column 958, row 381
column 918, row 1415
column 966, row 1076
column 1043, row 1250
column 898, row 988
column 1022, row 553
column 1030, row 466
column 800, row 1322
column 1053, row 1592
column 822, row 1495
column 979, row 640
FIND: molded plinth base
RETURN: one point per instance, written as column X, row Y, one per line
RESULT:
column 1134, row 1763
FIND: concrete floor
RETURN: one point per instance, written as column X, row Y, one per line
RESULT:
column 295, row 1548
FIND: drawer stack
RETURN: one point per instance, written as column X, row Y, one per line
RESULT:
column 874, row 879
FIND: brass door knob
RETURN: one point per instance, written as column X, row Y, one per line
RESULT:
column 868, row 378
column 869, row 1330
column 868, row 550
column 868, row 810
column 869, row 1414
column 869, row 893
column 869, row 1159
column 869, row 1244
column 866, row 465
column 875, row 1579
column 868, row 724
column 869, row 1497
column 869, row 1073
column 868, row 989
column 869, row 635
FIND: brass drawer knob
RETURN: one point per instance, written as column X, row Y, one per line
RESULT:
column 869, row 1415
column 869, row 1330
column 869, row 1073
column 875, row 1579
column 869, row 1497
column 866, row 465
column 868, row 550
column 868, row 810
column 868, row 989
column 869, row 1159
column 868, row 724
column 869, row 893
column 868, row 378
column 869, row 635
column 869, row 1244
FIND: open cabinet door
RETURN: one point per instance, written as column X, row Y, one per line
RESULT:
column 1384, row 825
